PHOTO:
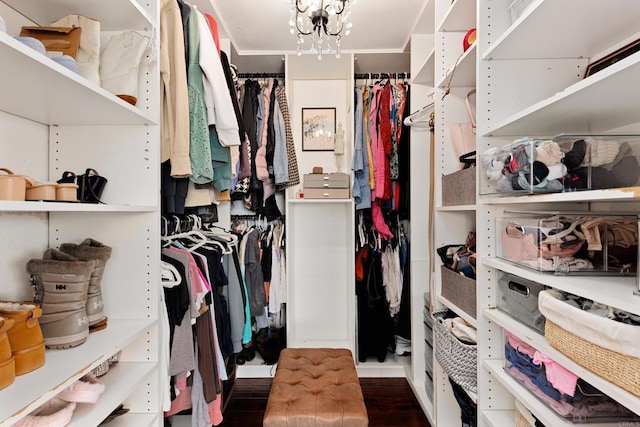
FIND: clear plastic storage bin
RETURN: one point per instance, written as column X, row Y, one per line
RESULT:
column 563, row 392
column 562, row 163
column 594, row 243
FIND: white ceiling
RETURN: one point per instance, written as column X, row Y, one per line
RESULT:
column 260, row 27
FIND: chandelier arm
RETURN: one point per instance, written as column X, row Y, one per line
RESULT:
column 329, row 33
column 301, row 10
column 307, row 33
column 342, row 2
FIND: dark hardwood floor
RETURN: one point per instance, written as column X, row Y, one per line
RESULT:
column 390, row 403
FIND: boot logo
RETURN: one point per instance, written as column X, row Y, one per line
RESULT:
column 60, row 287
column 83, row 321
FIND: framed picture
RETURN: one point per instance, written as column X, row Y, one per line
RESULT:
column 612, row 58
column 318, row 129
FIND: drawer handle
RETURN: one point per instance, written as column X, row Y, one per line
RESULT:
column 519, row 288
column 325, row 194
column 326, row 178
column 325, row 185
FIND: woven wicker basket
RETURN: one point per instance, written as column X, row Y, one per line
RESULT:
column 459, row 360
column 620, row 369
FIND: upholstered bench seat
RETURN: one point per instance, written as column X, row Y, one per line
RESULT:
column 315, row 387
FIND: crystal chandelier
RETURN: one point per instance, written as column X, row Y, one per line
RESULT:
column 323, row 21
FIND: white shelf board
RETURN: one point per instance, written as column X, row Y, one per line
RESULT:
column 392, row 367
column 499, row 418
column 456, row 208
column 612, row 194
column 138, row 420
column 615, row 90
column 464, row 74
column 121, row 379
column 37, row 88
column 461, row 16
column 426, row 73
column 541, row 411
column 321, row 201
column 581, row 35
column 538, row 342
column 460, row 312
column 112, row 14
column 63, row 367
column 613, row 291
column 16, row 206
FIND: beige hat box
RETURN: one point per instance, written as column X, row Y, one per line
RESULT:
column 326, row 186
column 563, row 163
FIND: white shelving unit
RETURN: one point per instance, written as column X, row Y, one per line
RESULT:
column 531, row 83
column 51, row 121
column 320, row 232
column 423, row 57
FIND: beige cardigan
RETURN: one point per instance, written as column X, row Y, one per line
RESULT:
column 174, row 99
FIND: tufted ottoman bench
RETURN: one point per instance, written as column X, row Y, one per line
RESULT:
column 315, row 387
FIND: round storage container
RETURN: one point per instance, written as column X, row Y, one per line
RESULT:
column 12, row 187
column 67, row 192
column 42, row 191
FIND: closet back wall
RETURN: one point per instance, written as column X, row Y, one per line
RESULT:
column 25, row 152
column 320, row 94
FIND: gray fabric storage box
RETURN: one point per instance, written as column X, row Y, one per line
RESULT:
column 459, row 188
column 518, row 297
column 460, row 290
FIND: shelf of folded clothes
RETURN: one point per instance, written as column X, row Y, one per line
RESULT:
column 570, row 243
column 569, row 396
column 564, row 163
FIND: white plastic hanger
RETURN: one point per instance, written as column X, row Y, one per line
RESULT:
column 170, row 275
column 422, row 116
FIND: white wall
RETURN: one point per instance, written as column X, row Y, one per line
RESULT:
column 320, row 94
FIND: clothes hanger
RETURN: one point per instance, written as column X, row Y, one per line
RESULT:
column 421, row 116
column 194, row 236
column 170, row 275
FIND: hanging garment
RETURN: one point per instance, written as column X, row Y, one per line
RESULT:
column 361, row 190
column 199, row 145
column 174, row 98
column 294, row 174
column 375, row 326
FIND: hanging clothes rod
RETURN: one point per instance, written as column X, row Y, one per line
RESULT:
column 382, row 76
column 260, row 75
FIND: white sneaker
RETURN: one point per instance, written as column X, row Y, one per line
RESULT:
column 403, row 346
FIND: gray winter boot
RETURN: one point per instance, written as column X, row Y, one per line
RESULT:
column 89, row 250
column 61, row 283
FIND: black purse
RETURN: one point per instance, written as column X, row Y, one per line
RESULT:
column 90, row 185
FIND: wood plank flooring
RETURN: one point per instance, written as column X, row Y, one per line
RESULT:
column 390, row 403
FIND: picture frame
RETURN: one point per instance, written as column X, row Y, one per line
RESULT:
column 318, row 129
column 612, row 58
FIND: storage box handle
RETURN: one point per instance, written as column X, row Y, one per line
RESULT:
column 519, row 288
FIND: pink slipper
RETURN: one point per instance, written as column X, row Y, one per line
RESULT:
column 54, row 413
column 86, row 390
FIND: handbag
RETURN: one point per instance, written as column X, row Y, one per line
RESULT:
column 90, row 185
column 463, row 136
